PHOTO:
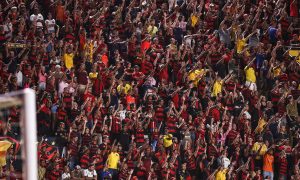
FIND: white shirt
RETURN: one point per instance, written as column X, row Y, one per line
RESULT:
column 66, row 176
column 39, row 18
column 62, row 85
column 88, row 173
column 8, row 30
column 19, row 78
column 122, row 115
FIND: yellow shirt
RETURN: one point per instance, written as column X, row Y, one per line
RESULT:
column 68, row 58
column 4, row 146
column 262, row 151
column 217, row 88
column 250, row 75
column 295, row 53
column 260, row 126
column 124, row 89
column 194, row 20
column 93, row 75
column 113, row 160
column 276, row 71
column 240, row 44
column 167, row 140
column 221, row 174
column 195, row 76
column 152, row 30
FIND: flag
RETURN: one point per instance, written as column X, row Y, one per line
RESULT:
column 50, row 151
column 4, row 146
column 7, row 142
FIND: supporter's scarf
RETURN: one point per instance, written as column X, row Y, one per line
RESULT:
column 51, row 151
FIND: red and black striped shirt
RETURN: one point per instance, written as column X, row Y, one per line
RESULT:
column 84, row 161
column 54, row 175
column 171, row 124
column 159, row 114
column 139, row 136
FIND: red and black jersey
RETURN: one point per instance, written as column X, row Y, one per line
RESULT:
column 231, row 136
column 201, row 87
column 99, row 125
column 61, row 162
column 159, row 114
column 61, row 115
column 184, row 114
column 44, row 117
column 192, row 164
column 141, row 173
column 99, row 162
column 172, row 173
column 124, row 174
column 130, row 164
column 73, row 147
column 171, row 125
column 212, row 151
column 275, row 96
column 98, row 87
column 85, row 161
column 146, row 67
column 201, row 150
column 94, row 147
column 283, row 77
column 86, row 139
column 200, row 133
column 230, row 104
column 74, row 134
column 45, row 59
column 116, row 125
column 215, row 57
column 67, row 99
column 283, row 165
column 139, row 136
column 54, row 175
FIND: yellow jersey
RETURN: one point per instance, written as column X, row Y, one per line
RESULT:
column 68, row 59
column 152, row 30
column 93, row 75
column 194, row 20
column 240, row 45
column 262, row 151
column 260, row 126
column 113, row 160
column 125, row 89
column 195, row 76
column 221, row 174
column 250, row 75
column 167, row 140
column 217, row 88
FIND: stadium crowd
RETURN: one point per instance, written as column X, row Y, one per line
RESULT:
column 155, row 89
